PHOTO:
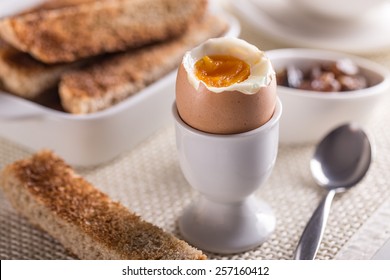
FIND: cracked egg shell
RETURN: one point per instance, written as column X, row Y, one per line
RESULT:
column 227, row 111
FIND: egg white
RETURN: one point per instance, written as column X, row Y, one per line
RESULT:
column 261, row 70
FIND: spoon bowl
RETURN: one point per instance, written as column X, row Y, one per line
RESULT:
column 342, row 158
column 340, row 161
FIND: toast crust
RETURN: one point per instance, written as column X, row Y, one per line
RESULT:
column 26, row 77
column 21, row 74
column 68, row 33
column 86, row 221
column 108, row 82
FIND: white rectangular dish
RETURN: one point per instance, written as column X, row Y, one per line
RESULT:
column 90, row 139
column 85, row 140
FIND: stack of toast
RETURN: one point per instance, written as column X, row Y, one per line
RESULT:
column 99, row 52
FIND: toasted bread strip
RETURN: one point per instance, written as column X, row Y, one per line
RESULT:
column 87, row 222
column 104, row 84
column 90, row 28
column 24, row 76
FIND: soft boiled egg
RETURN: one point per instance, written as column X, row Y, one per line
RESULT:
column 225, row 86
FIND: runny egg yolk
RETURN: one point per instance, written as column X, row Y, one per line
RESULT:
column 221, row 70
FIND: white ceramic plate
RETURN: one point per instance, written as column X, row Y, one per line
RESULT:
column 286, row 24
column 95, row 138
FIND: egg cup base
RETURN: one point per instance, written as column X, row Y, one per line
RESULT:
column 231, row 228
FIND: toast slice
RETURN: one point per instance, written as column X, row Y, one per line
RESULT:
column 45, row 190
column 106, row 83
column 22, row 75
column 84, row 28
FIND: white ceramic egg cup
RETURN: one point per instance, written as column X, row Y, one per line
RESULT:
column 227, row 170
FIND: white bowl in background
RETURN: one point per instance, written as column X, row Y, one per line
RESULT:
column 309, row 115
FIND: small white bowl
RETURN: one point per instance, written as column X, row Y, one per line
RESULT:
column 309, row 115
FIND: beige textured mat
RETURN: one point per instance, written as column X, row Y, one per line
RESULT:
column 148, row 180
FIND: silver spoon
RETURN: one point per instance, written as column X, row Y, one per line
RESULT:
column 340, row 161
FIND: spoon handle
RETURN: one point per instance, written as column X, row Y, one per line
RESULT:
column 311, row 238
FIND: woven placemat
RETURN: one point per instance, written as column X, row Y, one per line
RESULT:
column 148, row 180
